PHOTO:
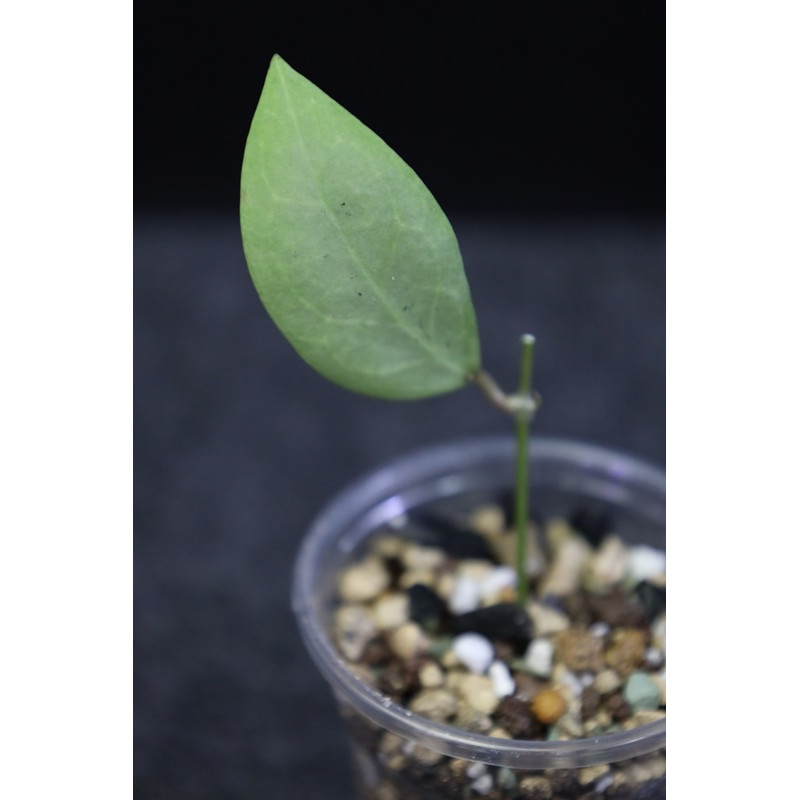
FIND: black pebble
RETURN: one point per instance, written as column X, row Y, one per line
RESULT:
column 395, row 568
column 507, row 500
column 653, row 598
column 434, row 530
column 505, row 621
column 425, row 606
column 594, row 524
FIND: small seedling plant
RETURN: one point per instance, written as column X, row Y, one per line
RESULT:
column 359, row 267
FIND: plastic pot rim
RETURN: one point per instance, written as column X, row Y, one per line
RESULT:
column 365, row 493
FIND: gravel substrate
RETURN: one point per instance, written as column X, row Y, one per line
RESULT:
column 428, row 616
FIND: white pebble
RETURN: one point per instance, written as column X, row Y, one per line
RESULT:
column 483, row 785
column 474, row 651
column 645, row 563
column 566, row 680
column 476, row 769
column 502, row 682
column 603, row 783
column 466, row 595
column 539, row 657
column 653, row 657
column 498, row 579
column 599, row 629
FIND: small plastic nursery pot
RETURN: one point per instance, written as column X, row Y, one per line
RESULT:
column 399, row 754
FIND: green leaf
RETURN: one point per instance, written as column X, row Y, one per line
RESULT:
column 350, row 253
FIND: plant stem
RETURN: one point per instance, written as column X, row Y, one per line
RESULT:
column 523, row 418
column 521, row 406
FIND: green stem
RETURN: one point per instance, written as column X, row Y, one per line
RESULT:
column 523, row 422
column 521, row 406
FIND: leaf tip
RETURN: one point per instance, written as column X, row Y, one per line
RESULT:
column 277, row 63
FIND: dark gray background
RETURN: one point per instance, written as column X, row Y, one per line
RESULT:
column 542, row 135
column 238, row 443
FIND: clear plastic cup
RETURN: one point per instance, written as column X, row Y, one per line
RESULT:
column 398, row 754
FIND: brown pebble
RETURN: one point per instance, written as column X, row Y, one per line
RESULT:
column 399, row 680
column 590, row 703
column 443, row 783
column 515, row 715
column 626, row 651
column 375, row 653
column 618, row 608
column 580, row 650
column 503, row 651
column 549, row 706
column 577, row 608
column 617, row 707
column 564, row 781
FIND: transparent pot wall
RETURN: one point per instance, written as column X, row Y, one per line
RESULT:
column 398, row 754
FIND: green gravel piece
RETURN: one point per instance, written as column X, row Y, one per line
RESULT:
column 641, row 692
column 440, row 646
column 506, row 779
column 521, row 665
